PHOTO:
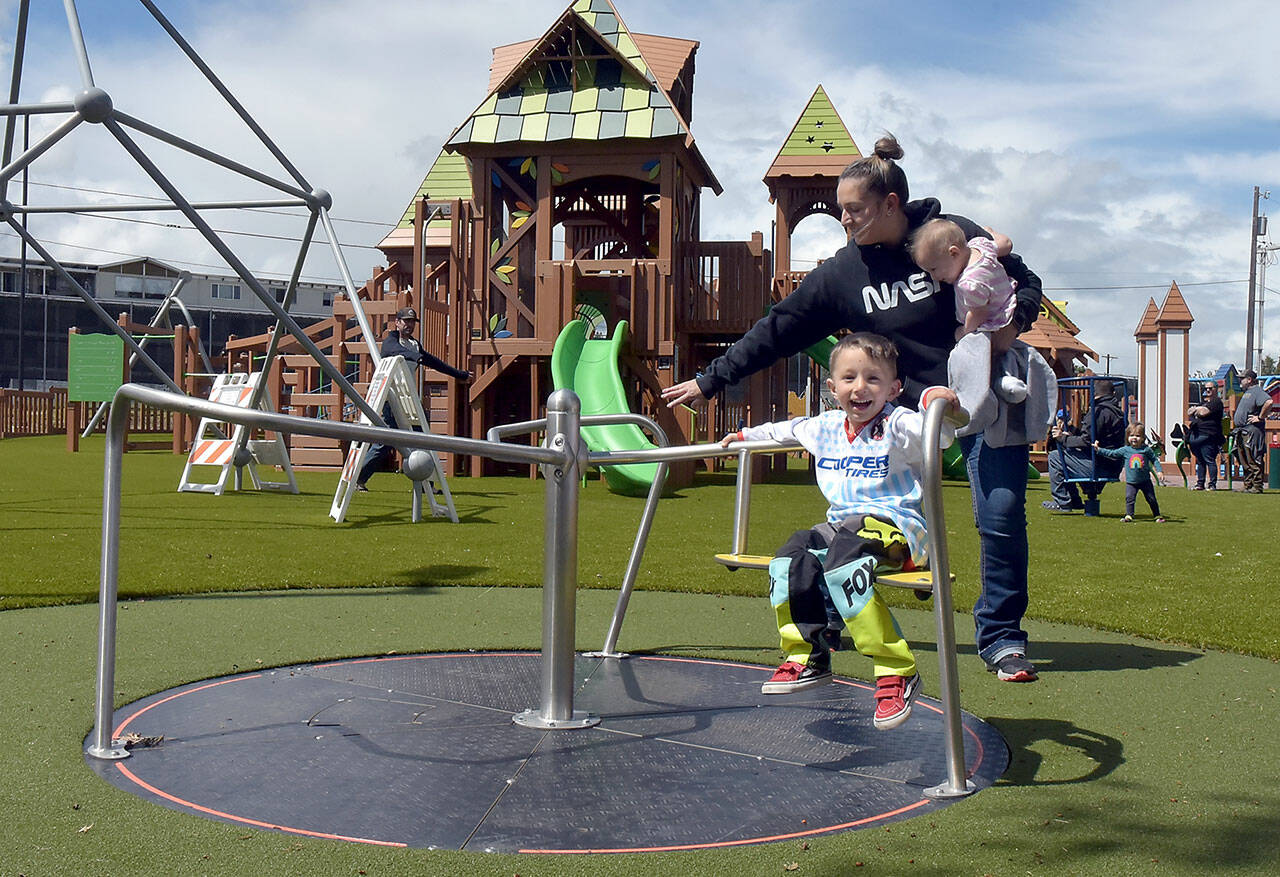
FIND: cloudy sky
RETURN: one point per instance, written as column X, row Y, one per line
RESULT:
column 1118, row 144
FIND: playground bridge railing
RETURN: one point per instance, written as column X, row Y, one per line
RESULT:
column 562, row 457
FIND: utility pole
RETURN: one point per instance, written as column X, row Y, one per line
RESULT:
column 1257, row 228
column 1253, row 279
column 1264, row 258
column 1108, row 357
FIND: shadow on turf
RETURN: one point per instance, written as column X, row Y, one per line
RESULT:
column 423, row 585
column 1064, row 657
column 1106, row 753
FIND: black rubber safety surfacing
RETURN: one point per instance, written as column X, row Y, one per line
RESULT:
column 420, row 751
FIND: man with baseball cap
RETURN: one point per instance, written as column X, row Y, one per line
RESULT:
column 400, row 341
column 1248, row 427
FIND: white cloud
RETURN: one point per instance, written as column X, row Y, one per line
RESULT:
column 1116, row 143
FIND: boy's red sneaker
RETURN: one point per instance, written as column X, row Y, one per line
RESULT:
column 894, row 696
column 797, row 677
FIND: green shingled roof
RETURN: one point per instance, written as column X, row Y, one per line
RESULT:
column 608, row 96
column 819, row 131
column 448, row 178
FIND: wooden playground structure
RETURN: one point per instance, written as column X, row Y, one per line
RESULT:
column 574, row 188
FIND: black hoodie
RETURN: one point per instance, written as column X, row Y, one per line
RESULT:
column 872, row 288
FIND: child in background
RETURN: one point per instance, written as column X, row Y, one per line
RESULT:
column 868, row 455
column 1140, row 461
column 984, row 304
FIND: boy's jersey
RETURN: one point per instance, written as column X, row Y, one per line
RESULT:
column 877, row 473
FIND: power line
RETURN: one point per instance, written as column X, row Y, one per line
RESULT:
column 247, row 234
column 154, row 198
column 336, row 281
column 1144, row 286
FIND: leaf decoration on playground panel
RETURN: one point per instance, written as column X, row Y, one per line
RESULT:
column 520, row 215
column 585, row 80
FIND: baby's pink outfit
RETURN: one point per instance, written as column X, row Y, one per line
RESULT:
column 984, row 286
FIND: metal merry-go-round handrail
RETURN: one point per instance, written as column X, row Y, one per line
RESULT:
column 561, row 459
column 956, row 783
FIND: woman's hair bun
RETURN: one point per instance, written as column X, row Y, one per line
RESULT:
column 887, row 147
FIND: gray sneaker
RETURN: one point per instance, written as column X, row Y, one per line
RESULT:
column 1014, row 668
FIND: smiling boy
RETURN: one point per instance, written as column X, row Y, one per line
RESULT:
column 868, row 455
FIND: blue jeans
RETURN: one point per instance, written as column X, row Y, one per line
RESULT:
column 378, row 455
column 1077, row 463
column 998, row 478
column 1205, row 450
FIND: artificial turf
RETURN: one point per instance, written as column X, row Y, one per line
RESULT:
column 1129, row 757
column 1202, row 579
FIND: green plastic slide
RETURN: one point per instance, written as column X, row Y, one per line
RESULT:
column 589, row 367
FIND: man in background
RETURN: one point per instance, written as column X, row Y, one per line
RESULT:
column 1249, row 427
column 1075, row 460
column 400, row 341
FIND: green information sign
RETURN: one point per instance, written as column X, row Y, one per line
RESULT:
column 95, row 367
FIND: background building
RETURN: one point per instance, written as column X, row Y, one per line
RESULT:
column 219, row 305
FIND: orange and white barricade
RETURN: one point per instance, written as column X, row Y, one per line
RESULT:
column 214, row 445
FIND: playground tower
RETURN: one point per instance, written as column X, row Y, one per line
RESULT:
column 1163, row 336
column 573, row 189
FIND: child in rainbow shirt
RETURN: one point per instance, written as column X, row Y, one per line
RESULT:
column 1140, row 461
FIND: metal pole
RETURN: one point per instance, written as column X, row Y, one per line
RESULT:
column 1263, row 255
column 633, row 563
column 226, row 93
column 22, row 288
column 274, row 346
column 15, row 86
column 77, row 41
column 47, row 142
column 210, row 156
column 1253, row 277
column 375, row 353
column 742, row 503
column 329, row 369
column 646, row 518
column 560, row 571
column 642, row 540
column 957, row 784
column 416, row 510
column 151, row 207
column 102, row 745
